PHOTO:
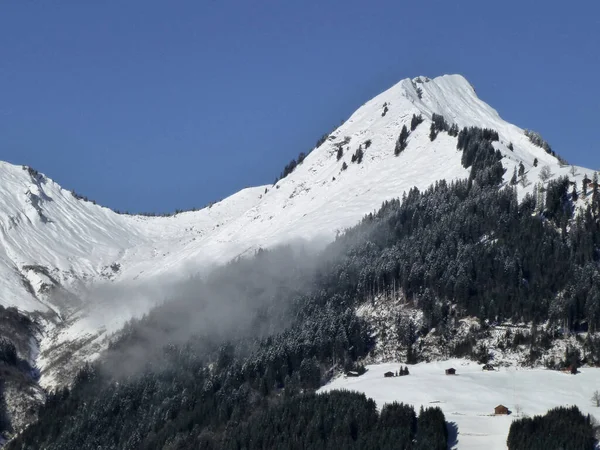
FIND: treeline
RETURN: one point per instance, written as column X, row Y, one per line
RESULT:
column 564, row 428
column 340, row 420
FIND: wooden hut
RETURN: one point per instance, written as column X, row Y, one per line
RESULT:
column 451, row 371
column 501, row 410
column 388, row 374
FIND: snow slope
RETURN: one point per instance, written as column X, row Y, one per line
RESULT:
column 469, row 398
column 54, row 247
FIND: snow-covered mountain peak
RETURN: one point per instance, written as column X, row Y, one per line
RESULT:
column 55, row 247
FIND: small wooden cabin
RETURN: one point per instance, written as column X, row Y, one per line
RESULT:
column 388, row 374
column 451, row 371
column 488, row 367
column 501, row 410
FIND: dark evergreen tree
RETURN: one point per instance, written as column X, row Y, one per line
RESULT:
column 438, row 123
column 513, row 180
column 564, row 428
column 358, row 155
column 415, row 121
column 432, row 432
column 432, row 132
column 453, row 131
column 385, row 110
column 401, row 142
column 584, row 185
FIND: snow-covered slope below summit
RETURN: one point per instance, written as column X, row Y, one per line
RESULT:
column 54, row 247
column 319, row 197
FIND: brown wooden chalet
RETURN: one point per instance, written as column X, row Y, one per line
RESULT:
column 501, row 410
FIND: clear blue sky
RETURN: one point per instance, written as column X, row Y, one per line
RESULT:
column 148, row 105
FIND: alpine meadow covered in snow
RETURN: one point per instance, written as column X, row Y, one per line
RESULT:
column 323, row 311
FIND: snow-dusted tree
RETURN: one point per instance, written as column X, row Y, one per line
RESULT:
column 545, row 173
column 513, row 180
column 596, row 399
column 595, row 193
column 518, row 410
column 584, row 184
column 574, row 194
column 573, row 171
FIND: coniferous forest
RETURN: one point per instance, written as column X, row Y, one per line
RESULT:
column 466, row 248
column 561, row 427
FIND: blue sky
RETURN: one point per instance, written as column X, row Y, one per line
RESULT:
column 154, row 105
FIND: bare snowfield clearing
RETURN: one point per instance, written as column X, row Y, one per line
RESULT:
column 468, row 398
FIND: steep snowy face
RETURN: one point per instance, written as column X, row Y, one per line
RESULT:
column 53, row 243
column 54, row 246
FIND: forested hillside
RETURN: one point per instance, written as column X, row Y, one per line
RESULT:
column 564, row 428
column 465, row 248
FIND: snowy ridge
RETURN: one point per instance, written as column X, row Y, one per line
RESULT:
column 51, row 242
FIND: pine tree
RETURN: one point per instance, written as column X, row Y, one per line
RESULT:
column 545, row 173
column 340, row 153
column 535, row 162
column 359, row 154
column 585, row 183
column 595, row 194
column 513, row 180
column 401, row 142
column 521, row 169
column 432, row 132
column 415, row 121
